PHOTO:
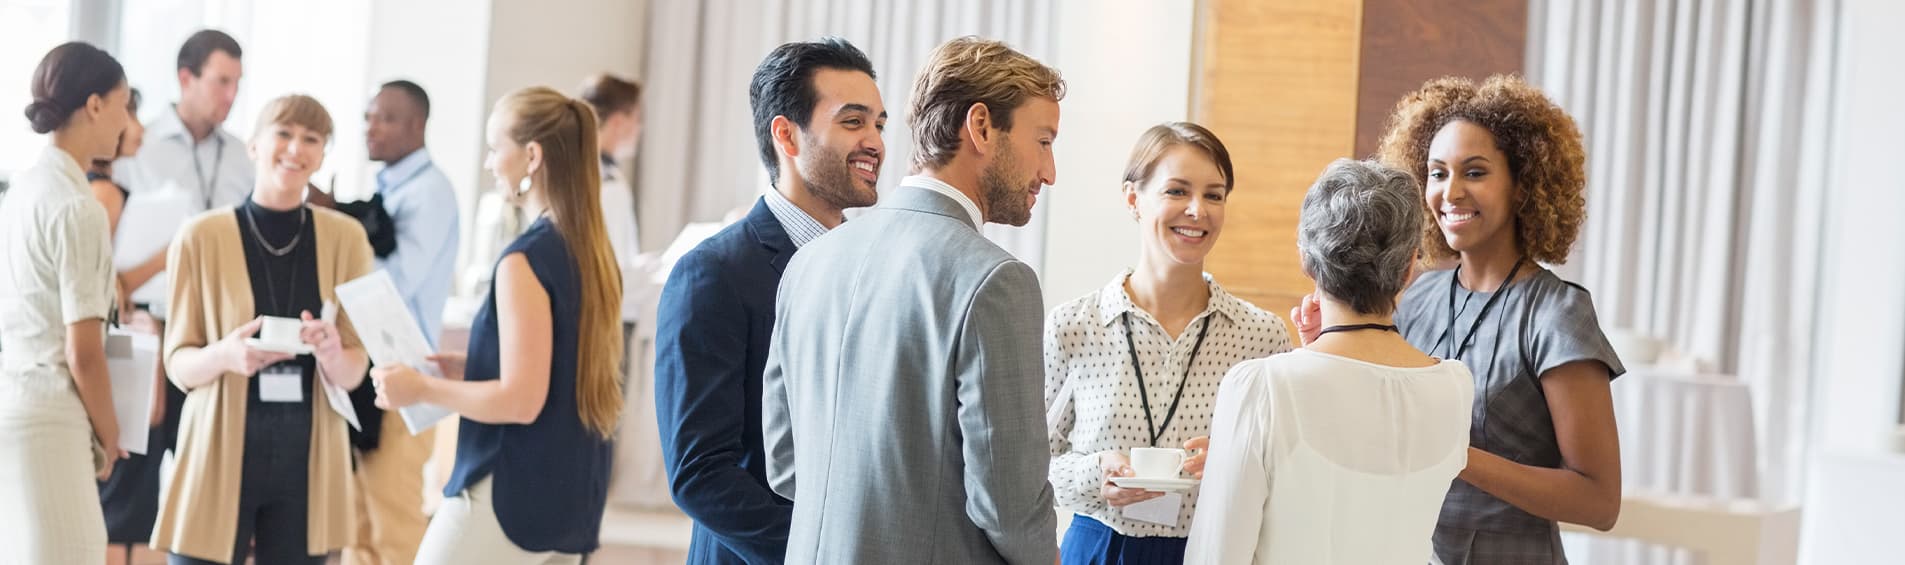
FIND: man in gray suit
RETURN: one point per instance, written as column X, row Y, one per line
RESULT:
column 902, row 408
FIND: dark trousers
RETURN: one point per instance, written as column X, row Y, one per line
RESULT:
column 273, row 496
column 1090, row 542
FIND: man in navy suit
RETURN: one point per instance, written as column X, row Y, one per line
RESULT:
column 817, row 120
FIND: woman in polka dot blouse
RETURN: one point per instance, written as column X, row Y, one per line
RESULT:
column 1165, row 324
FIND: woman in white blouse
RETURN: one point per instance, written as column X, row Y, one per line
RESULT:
column 1340, row 452
column 1166, row 324
column 57, row 428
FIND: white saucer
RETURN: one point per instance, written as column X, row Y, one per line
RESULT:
column 292, row 348
column 1155, row 484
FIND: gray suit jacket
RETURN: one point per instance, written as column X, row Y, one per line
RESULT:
column 902, row 394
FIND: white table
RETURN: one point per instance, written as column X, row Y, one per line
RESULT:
column 1684, row 435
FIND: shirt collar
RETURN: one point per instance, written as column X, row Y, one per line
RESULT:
column 400, row 172
column 939, row 186
column 169, row 126
column 1113, row 301
column 800, row 227
column 54, row 158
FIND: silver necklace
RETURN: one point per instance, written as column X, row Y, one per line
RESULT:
column 260, row 236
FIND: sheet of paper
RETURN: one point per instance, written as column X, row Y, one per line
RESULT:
column 1162, row 510
column 162, row 209
column 340, row 399
column 391, row 337
column 132, row 359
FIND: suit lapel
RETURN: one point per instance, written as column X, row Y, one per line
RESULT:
column 767, row 231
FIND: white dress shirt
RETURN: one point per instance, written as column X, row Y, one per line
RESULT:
column 422, row 206
column 618, row 215
column 172, row 179
column 939, row 186
column 55, row 268
column 1091, row 392
column 1321, row 459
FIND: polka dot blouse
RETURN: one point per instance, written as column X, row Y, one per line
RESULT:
column 1091, row 394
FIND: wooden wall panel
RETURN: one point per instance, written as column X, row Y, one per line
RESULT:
column 1408, row 42
column 1278, row 83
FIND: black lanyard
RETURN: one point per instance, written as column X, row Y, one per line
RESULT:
column 1144, row 399
column 207, row 189
column 1455, row 351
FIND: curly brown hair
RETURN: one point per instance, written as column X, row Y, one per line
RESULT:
column 1543, row 146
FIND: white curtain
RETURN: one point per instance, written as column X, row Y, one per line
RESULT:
column 700, row 162
column 1707, row 124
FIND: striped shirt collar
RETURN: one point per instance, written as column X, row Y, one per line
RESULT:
column 58, row 160
column 801, row 228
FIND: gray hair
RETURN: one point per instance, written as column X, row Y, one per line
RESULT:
column 1360, row 227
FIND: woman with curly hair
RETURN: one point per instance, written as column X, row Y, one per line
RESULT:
column 1502, row 173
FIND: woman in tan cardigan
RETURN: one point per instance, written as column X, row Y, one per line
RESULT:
column 260, row 455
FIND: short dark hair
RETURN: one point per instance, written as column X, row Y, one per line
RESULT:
column 783, row 86
column 415, row 93
column 67, row 77
column 200, row 46
column 609, row 94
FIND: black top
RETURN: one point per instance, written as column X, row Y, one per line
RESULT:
column 284, row 286
column 550, row 477
column 96, row 177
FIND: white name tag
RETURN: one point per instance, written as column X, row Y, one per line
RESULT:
column 281, row 383
column 1162, row 510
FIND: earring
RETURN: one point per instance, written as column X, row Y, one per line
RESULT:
column 522, row 188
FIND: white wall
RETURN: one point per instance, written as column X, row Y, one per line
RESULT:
column 1854, row 501
column 1863, row 294
column 443, row 46
column 558, row 43
column 1127, row 67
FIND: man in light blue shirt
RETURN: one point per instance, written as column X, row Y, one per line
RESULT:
column 423, row 210
column 421, row 203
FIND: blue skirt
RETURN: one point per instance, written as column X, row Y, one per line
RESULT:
column 1090, row 542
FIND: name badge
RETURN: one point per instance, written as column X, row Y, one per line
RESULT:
column 281, row 383
column 1163, row 510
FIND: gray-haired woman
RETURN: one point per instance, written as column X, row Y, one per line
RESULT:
column 1339, row 452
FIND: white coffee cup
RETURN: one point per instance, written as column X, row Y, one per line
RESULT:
column 1156, row 462
column 281, row 331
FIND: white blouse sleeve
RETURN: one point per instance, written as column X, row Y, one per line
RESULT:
column 82, row 240
column 1075, row 476
column 1235, row 492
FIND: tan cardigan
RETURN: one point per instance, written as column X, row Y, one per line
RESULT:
column 211, row 296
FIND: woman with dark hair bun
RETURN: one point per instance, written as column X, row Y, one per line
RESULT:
column 57, row 429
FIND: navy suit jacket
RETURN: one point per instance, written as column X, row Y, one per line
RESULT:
column 711, row 339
